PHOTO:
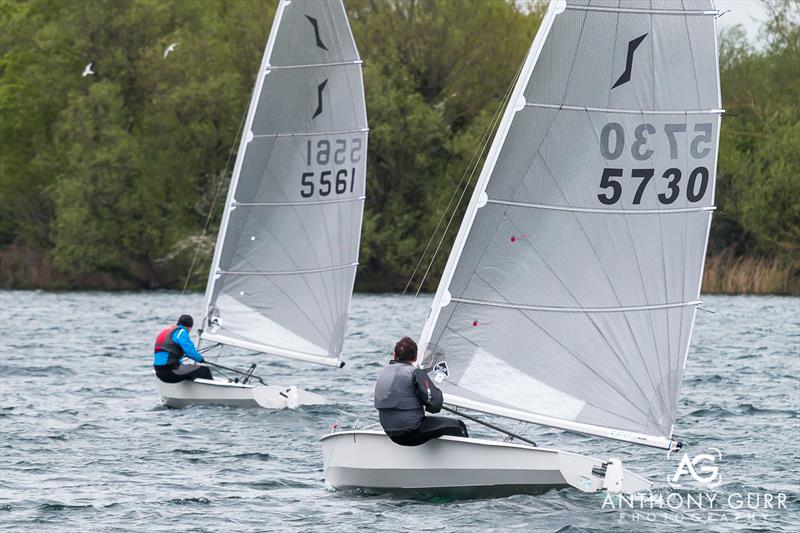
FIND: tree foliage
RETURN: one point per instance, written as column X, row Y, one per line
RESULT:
column 758, row 189
column 114, row 176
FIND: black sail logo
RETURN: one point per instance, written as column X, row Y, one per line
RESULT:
column 320, row 90
column 314, row 23
column 626, row 76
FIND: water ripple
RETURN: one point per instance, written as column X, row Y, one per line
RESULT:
column 86, row 445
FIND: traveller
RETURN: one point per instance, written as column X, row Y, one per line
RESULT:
column 172, row 344
column 402, row 395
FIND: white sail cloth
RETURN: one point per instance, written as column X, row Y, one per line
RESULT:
column 579, row 263
column 286, row 256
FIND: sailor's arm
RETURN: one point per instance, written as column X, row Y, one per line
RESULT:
column 428, row 393
column 181, row 337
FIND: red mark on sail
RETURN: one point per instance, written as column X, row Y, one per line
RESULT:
column 475, row 323
column 515, row 238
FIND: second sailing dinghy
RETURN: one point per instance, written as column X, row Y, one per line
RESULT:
column 570, row 293
column 285, row 261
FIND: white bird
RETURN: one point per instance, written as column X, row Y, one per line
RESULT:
column 169, row 49
column 87, row 70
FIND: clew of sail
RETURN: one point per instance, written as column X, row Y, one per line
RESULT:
column 285, row 261
column 570, row 293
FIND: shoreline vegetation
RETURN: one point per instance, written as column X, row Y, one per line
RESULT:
column 725, row 273
column 107, row 181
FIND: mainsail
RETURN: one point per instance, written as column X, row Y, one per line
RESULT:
column 570, row 293
column 285, row 261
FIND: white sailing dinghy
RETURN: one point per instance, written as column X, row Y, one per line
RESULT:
column 569, row 296
column 286, row 255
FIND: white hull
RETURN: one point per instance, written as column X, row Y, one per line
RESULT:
column 223, row 392
column 456, row 465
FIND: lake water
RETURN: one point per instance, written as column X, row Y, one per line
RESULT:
column 85, row 444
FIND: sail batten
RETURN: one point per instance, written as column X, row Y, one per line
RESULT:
column 312, row 65
column 510, row 305
column 287, row 251
column 309, row 133
column 602, row 211
column 626, row 111
column 571, row 291
column 288, row 272
column 644, row 11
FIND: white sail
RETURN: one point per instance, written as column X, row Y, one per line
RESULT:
column 570, row 294
column 286, row 255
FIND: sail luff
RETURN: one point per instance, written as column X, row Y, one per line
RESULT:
column 442, row 291
column 237, row 168
column 567, row 425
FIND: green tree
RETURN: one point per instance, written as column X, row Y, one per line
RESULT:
column 759, row 164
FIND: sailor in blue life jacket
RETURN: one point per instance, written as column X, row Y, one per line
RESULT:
column 402, row 395
column 172, row 344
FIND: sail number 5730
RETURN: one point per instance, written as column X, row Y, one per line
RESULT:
column 613, row 145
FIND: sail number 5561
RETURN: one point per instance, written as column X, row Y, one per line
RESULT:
column 333, row 154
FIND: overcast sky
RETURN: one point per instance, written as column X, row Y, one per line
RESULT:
column 748, row 13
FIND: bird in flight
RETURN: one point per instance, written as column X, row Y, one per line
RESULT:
column 87, row 70
column 169, row 49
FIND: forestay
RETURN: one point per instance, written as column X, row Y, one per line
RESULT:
column 570, row 293
column 286, row 255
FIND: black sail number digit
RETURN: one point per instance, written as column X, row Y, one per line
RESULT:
column 306, row 181
column 693, row 194
column 674, row 177
column 325, row 181
column 606, row 182
column 341, row 181
column 644, row 174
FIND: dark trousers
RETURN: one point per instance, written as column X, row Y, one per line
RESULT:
column 432, row 427
column 178, row 373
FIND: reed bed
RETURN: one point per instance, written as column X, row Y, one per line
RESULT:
column 727, row 273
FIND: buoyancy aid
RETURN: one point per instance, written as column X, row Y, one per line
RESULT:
column 164, row 343
column 396, row 399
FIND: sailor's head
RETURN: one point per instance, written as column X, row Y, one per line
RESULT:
column 186, row 321
column 405, row 350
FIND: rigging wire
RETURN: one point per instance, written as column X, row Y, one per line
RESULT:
column 210, row 214
column 213, row 204
column 463, row 186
